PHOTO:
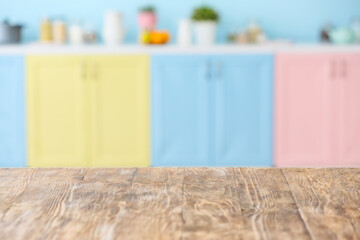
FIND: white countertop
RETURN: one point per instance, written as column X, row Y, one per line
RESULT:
column 174, row 49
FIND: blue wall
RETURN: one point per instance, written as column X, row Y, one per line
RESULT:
column 298, row 20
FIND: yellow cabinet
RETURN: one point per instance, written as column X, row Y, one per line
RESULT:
column 88, row 111
column 120, row 111
column 56, row 108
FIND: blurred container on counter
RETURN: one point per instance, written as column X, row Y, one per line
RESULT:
column 147, row 18
column 90, row 35
column 342, row 36
column 59, row 32
column 325, row 33
column 113, row 29
column 355, row 25
column 46, row 34
column 10, row 34
column 253, row 34
column 205, row 23
column 184, row 34
column 148, row 34
column 76, row 35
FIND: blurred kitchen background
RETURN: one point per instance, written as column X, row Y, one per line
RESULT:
column 107, row 83
column 298, row 21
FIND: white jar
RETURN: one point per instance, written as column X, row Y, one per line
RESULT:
column 113, row 30
column 184, row 34
column 76, row 36
column 205, row 32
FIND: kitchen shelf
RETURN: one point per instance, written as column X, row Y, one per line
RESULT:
column 174, row 49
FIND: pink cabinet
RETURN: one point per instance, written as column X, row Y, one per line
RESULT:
column 317, row 110
column 349, row 115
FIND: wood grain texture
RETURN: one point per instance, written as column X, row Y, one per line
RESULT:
column 267, row 202
column 329, row 201
column 153, row 206
column 211, row 206
column 180, row 203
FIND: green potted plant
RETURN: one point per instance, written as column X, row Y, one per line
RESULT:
column 205, row 21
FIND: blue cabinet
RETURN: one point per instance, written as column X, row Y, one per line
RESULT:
column 212, row 110
column 180, row 111
column 243, row 110
column 12, row 119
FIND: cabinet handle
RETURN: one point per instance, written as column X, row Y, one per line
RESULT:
column 219, row 70
column 333, row 70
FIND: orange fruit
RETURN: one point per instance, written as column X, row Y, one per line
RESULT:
column 166, row 36
column 156, row 38
column 159, row 37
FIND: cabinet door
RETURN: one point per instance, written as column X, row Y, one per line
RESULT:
column 120, row 111
column 12, row 130
column 56, row 111
column 243, row 120
column 306, row 122
column 180, row 110
column 349, row 75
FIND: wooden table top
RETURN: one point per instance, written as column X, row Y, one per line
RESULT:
column 180, row 203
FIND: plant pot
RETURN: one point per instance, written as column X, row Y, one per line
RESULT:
column 205, row 32
column 147, row 20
